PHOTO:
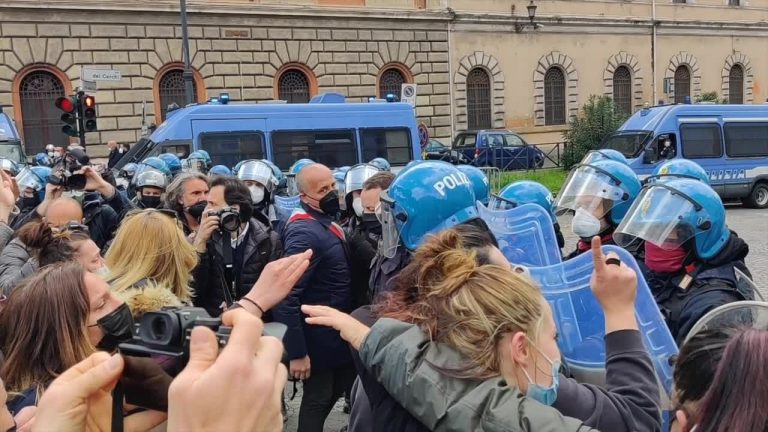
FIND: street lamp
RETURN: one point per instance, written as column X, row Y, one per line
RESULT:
column 188, row 75
column 531, row 16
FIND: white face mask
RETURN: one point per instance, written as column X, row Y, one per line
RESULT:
column 585, row 224
column 357, row 205
column 102, row 271
column 257, row 194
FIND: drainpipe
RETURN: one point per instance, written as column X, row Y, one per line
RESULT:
column 451, row 83
column 653, row 51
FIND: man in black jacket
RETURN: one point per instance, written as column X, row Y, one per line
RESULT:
column 317, row 355
column 234, row 247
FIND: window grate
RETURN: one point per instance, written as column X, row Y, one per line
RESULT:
column 172, row 91
column 736, row 85
column 391, row 82
column 41, row 120
column 682, row 84
column 293, row 86
column 478, row 100
column 622, row 90
column 554, row 97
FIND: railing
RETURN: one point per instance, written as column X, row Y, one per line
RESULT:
column 530, row 157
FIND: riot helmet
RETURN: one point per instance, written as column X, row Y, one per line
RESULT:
column 353, row 182
column 479, row 182
column 678, row 168
column 596, row 155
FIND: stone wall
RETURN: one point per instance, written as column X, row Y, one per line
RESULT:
column 242, row 58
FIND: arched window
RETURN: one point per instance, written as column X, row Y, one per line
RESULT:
column 622, row 90
column 391, row 82
column 293, row 86
column 171, row 90
column 682, row 83
column 41, row 120
column 554, row 96
column 736, row 85
column 478, row 100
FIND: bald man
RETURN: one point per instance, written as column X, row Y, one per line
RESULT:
column 62, row 211
column 318, row 356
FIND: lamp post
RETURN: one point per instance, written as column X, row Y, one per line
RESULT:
column 188, row 75
column 531, row 16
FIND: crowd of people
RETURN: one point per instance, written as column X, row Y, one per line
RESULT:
column 387, row 289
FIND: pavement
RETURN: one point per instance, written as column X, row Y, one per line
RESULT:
column 750, row 224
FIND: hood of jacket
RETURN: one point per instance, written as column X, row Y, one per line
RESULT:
column 735, row 249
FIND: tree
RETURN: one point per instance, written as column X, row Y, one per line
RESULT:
column 710, row 97
column 597, row 119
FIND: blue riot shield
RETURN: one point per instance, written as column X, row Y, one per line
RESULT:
column 525, row 234
column 284, row 206
column 581, row 324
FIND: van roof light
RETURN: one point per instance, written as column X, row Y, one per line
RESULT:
column 224, row 98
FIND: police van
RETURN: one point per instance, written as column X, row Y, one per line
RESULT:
column 327, row 130
column 10, row 141
column 729, row 141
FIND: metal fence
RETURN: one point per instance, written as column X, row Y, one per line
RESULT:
column 495, row 162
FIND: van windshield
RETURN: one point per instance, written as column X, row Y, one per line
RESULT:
column 628, row 143
column 12, row 150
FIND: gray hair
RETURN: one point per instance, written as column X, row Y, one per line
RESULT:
column 175, row 190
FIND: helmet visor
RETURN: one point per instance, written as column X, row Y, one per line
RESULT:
column 390, row 237
column 259, row 172
column 499, row 203
column 28, row 179
column 660, row 216
column 194, row 165
column 292, row 187
column 592, row 156
column 357, row 175
column 590, row 189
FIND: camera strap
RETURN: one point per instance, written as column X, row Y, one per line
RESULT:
column 227, row 254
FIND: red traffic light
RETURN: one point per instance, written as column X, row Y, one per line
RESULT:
column 65, row 104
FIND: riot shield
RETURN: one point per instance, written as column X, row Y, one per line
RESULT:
column 746, row 285
column 733, row 315
column 581, row 323
column 284, row 206
column 525, row 234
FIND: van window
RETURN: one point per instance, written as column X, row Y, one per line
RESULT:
column 182, row 150
column 746, row 139
column 467, row 140
column 701, row 140
column 513, row 140
column 333, row 148
column 393, row 145
column 229, row 148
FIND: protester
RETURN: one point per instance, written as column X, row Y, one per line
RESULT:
column 116, row 152
column 690, row 254
column 737, row 397
column 488, row 321
column 52, row 322
column 316, row 355
column 233, row 246
column 150, row 262
column 600, row 194
column 150, row 187
column 187, row 195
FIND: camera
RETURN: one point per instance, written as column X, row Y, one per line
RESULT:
column 160, row 350
column 229, row 219
column 62, row 172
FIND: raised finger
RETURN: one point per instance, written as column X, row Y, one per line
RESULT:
column 246, row 333
column 597, row 254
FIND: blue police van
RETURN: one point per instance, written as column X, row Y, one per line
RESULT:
column 729, row 141
column 327, row 130
column 10, row 141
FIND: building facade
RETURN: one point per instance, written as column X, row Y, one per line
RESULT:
column 477, row 63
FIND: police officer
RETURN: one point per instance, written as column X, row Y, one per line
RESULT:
column 32, row 182
column 600, row 193
column 381, row 163
column 353, row 182
column 596, row 155
column 150, row 188
column 678, row 168
column 195, row 162
column 150, row 163
column 220, row 171
column 261, row 182
column 425, row 198
column 524, row 192
column 690, row 254
column 173, row 162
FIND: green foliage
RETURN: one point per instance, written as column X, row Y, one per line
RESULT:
column 552, row 178
column 597, row 119
column 710, row 97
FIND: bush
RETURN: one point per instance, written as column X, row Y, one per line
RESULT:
column 711, row 97
column 596, row 120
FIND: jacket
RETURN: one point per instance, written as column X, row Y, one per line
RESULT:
column 147, row 296
column 102, row 220
column 714, row 284
column 400, row 356
column 326, row 282
column 260, row 246
column 362, row 251
column 114, row 157
column 384, row 270
column 16, row 263
column 6, row 234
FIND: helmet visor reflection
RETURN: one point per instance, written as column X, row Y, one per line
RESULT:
column 659, row 216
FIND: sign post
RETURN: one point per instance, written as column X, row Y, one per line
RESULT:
column 408, row 92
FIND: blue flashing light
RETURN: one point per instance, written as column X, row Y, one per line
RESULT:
column 391, row 98
column 224, row 98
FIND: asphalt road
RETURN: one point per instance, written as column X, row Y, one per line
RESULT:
column 750, row 224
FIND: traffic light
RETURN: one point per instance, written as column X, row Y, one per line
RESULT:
column 69, row 105
column 89, row 113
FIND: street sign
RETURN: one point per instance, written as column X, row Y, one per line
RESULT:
column 101, row 75
column 89, row 87
column 423, row 136
column 408, row 92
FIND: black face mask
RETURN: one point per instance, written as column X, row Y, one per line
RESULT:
column 30, row 202
column 329, row 204
column 150, row 202
column 196, row 211
column 371, row 223
column 117, row 327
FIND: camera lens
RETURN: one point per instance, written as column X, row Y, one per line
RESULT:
column 230, row 221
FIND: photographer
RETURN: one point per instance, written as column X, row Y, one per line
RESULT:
column 233, row 246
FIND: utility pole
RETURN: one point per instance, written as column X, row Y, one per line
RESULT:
column 188, row 75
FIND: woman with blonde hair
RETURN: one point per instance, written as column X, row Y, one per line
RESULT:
column 467, row 343
column 150, row 262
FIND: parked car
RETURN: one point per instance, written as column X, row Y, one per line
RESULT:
column 501, row 149
column 438, row 151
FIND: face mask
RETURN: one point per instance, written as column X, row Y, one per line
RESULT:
column 371, row 223
column 357, row 204
column 29, row 202
column 544, row 395
column 585, row 224
column 664, row 261
column 102, row 271
column 150, row 201
column 50, row 154
column 329, row 204
column 117, row 327
column 257, row 194
column 196, row 211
